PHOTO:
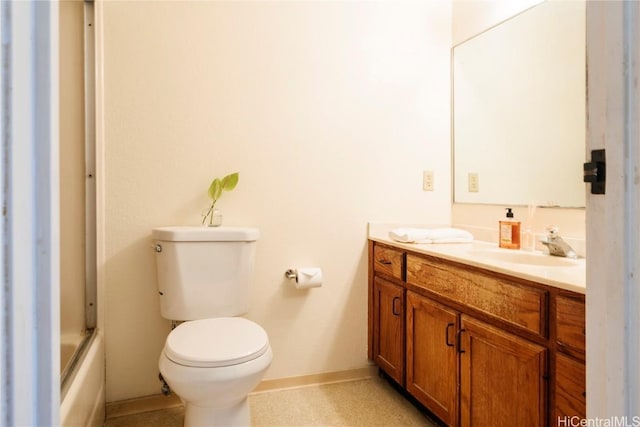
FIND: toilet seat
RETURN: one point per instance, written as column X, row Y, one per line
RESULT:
column 218, row 342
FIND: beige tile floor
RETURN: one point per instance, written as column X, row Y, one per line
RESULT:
column 367, row 402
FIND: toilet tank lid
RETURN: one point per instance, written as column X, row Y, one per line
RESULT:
column 205, row 234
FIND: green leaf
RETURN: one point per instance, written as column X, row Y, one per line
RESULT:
column 215, row 189
column 229, row 182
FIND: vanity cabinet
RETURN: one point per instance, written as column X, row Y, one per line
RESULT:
column 476, row 347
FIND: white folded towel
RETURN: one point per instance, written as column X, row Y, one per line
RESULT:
column 430, row 235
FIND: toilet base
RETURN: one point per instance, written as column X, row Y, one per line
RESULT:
column 238, row 415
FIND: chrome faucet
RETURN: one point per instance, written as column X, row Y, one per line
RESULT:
column 556, row 244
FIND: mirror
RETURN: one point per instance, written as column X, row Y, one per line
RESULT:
column 519, row 110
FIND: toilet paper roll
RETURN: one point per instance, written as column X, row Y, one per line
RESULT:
column 308, row 277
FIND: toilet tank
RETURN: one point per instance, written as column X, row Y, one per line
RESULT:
column 204, row 272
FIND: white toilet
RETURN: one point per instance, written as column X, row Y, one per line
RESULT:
column 212, row 360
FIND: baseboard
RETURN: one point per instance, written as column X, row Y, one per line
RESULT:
column 142, row 404
column 157, row 402
column 315, row 379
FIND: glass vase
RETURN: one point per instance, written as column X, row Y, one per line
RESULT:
column 212, row 218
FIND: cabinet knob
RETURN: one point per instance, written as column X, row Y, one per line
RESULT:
column 384, row 261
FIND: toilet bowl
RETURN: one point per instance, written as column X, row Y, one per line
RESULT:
column 213, row 364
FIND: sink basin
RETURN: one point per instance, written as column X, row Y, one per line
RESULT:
column 524, row 258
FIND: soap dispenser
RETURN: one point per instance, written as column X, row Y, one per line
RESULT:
column 509, row 232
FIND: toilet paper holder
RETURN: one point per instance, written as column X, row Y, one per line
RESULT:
column 305, row 277
column 291, row 274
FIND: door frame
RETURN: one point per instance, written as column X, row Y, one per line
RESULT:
column 29, row 235
column 613, row 220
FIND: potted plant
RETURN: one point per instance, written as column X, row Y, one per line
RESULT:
column 217, row 187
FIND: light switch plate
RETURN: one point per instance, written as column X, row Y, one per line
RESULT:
column 427, row 180
column 474, row 183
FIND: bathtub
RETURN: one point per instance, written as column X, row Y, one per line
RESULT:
column 84, row 401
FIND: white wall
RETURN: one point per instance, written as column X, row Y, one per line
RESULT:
column 329, row 110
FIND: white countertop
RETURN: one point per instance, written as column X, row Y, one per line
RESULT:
column 536, row 266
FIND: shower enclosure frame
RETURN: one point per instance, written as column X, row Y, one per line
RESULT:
column 90, row 166
column 90, row 267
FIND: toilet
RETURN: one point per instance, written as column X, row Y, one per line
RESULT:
column 213, row 359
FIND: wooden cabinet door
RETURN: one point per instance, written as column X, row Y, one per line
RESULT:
column 432, row 360
column 502, row 378
column 388, row 328
column 570, row 387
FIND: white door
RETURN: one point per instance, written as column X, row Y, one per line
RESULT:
column 613, row 233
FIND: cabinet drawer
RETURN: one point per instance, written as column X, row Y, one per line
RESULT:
column 388, row 261
column 517, row 304
column 571, row 392
column 571, row 323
